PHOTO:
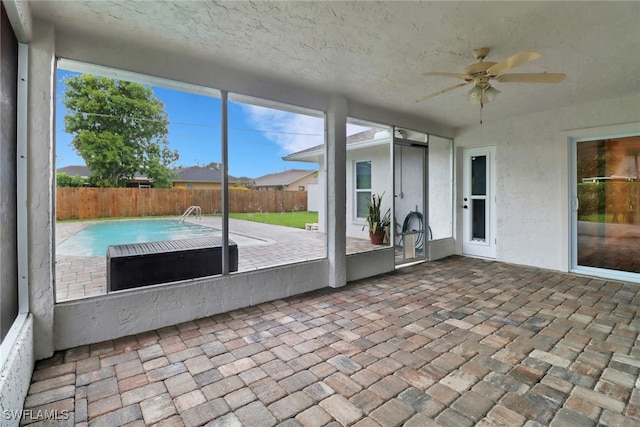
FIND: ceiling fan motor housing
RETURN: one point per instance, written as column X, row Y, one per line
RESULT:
column 479, row 69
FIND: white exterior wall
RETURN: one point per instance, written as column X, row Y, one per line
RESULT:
column 532, row 168
column 440, row 188
column 314, row 202
column 381, row 182
column 322, row 196
column 410, row 186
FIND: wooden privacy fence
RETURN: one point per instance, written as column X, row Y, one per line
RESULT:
column 90, row 202
column 620, row 200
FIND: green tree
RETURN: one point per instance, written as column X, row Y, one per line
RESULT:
column 214, row 166
column 65, row 180
column 119, row 128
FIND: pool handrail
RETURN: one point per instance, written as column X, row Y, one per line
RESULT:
column 197, row 210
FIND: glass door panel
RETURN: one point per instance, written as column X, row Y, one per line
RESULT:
column 608, row 194
column 478, row 197
column 410, row 166
column 478, row 202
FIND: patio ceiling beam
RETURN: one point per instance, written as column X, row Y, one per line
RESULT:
column 19, row 15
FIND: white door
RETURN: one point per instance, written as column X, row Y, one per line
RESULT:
column 479, row 202
column 412, row 242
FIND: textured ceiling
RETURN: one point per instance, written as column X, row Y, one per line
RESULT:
column 376, row 52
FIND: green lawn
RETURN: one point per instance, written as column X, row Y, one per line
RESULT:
column 287, row 219
column 596, row 218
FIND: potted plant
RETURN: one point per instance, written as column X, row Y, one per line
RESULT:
column 378, row 223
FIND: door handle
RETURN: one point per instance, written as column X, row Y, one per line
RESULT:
column 464, row 206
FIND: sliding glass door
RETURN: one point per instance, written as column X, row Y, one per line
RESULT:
column 606, row 215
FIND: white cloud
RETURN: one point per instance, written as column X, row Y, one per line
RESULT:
column 293, row 132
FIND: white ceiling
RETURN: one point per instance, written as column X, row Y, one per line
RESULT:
column 376, row 52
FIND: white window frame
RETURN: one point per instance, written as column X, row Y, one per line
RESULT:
column 357, row 190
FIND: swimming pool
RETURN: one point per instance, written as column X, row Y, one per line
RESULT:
column 94, row 238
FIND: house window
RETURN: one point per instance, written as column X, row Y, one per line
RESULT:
column 300, row 187
column 363, row 187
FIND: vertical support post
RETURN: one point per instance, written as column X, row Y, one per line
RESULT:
column 22, row 180
column 224, row 138
column 41, row 188
column 336, row 190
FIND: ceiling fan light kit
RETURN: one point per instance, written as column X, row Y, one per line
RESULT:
column 477, row 95
column 481, row 73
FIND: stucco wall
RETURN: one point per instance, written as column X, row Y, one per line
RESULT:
column 15, row 374
column 532, row 168
column 40, row 187
column 134, row 311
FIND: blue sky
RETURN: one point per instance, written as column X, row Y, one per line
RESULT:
column 258, row 137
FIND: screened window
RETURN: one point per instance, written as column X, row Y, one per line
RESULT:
column 107, row 149
column 363, row 187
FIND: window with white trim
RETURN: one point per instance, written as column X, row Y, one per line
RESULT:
column 362, row 187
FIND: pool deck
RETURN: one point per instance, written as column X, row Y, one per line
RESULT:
column 80, row 276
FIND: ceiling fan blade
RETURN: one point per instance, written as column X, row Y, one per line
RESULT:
column 512, row 61
column 424, row 98
column 444, row 74
column 531, row 78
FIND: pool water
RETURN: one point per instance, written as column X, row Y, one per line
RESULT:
column 94, row 239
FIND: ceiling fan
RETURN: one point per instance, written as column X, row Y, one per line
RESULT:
column 481, row 73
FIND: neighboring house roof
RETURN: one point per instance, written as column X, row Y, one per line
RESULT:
column 191, row 173
column 83, row 171
column 366, row 138
column 282, row 178
column 201, row 174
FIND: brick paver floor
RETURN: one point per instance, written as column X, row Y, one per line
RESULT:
column 457, row 342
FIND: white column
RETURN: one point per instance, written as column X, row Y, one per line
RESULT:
column 41, row 186
column 336, row 190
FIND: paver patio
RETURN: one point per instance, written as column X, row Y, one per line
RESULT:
column 457, row 342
